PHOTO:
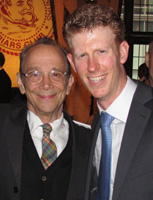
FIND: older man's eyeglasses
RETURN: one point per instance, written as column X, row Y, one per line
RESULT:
column 35, row 77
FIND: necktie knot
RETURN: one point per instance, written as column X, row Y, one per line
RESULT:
column 106, row 119
column 46, row 128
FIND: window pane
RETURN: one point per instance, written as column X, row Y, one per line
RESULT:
column 136, row 64
column 150, row 26
column 138, row 26
column 138, row 58
column 142, row 15
column 136, row 50
column 150, row 2
column 139, row 2
column 142, row 21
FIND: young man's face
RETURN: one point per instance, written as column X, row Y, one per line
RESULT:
column 99, row 62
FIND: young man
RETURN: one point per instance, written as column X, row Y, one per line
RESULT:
column 98, row 51
column 43, row 152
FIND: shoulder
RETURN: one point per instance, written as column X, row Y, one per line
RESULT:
column 6, row 109
column 76, row 124
column 4, row 113
column 14, row 113
column 3, row 72
column 143, row 93
column 79, row 130
column 82, row 124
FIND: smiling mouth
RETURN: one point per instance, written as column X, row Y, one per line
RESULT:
column 46, row 96
column 97, row 79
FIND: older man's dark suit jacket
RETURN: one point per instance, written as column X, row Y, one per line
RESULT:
column 12, row 123
column 134, row 175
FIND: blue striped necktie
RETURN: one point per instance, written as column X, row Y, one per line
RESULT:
column 49, row 150
column 105, row 164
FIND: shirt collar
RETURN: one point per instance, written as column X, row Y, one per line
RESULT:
column 35, row 122
column 119, row 109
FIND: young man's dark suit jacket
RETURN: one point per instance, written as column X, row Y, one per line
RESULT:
column 12, row 122
column 134, row 175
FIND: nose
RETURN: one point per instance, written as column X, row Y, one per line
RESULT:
column 46, row 82
column 27, row 8
column 92, row 64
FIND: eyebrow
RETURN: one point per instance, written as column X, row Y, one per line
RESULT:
column 61, row 69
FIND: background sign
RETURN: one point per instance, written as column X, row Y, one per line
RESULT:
column 21, row 23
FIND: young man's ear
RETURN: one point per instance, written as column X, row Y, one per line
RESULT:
column 20, row 83
column 124, row 51
column 70, row 58
column 147, row 59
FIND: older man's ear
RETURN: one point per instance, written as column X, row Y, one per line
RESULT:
column 20, row 83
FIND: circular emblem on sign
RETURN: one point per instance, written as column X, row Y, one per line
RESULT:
column 23, row 22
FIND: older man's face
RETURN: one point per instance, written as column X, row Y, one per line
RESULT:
column 46, row 97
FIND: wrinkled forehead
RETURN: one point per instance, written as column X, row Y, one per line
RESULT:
column 42, row 55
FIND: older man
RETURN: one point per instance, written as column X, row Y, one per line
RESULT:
column 43, row 153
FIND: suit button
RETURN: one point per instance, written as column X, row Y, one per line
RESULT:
column 15, row 189
column 44, row 178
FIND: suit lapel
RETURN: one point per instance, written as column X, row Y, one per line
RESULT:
column 15, row 129
column 138, row 118
column 95, row 130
